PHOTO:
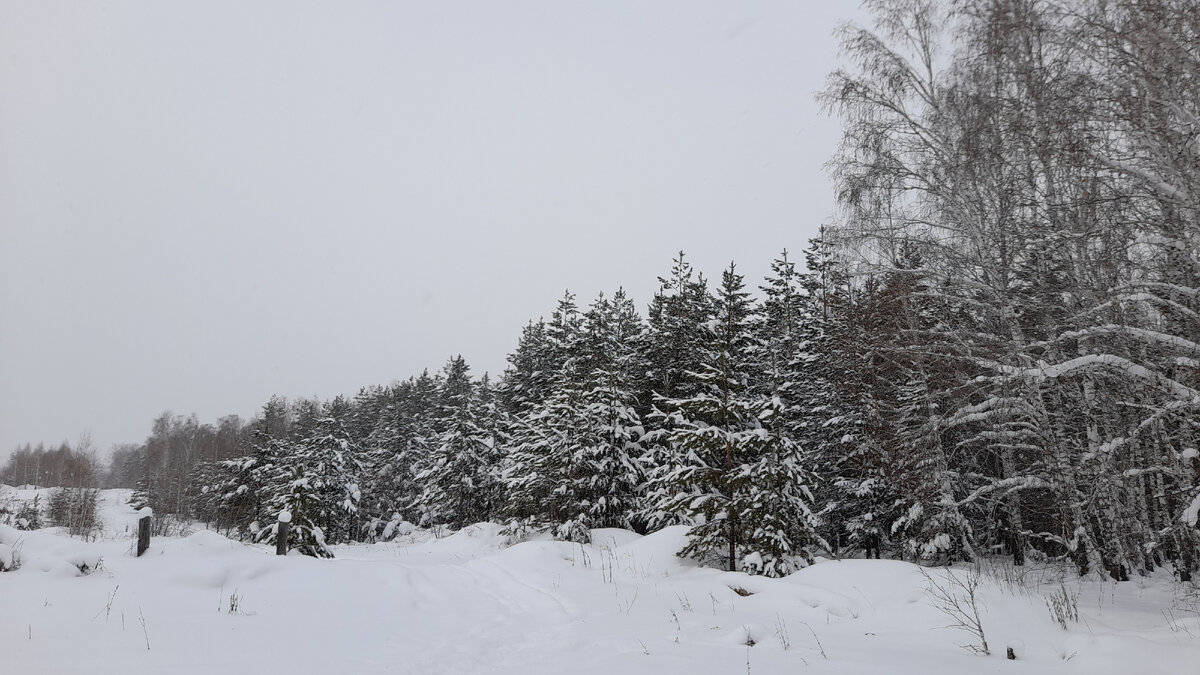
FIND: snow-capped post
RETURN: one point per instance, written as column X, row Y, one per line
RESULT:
column 144, row 516
column 281, row 532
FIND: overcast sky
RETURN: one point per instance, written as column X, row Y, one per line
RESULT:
column 206, row 203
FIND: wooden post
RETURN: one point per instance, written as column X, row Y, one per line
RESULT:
column 144, row 530
column 281, row 533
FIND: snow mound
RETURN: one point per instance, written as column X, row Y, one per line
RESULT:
column 655, row 555
column 848, row 583
column 206, row 542
column 468, row 602
column 612, row 538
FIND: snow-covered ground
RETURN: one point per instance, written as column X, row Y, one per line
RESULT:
column 469, row 603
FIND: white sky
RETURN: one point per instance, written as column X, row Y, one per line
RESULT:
column 206, row 203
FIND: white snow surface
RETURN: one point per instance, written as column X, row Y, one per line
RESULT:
column 471, row 603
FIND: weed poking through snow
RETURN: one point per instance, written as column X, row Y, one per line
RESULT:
column 956, row 597
column 1063, row 605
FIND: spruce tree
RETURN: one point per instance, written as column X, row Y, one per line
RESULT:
column 785, row 477
column 740, row 483
column 676, row 342
column 315, row 479
column 546, row 432
column 610, row 470
column 459, row 485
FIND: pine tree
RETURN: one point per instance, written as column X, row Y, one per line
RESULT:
column 740, row 482
column 676, row 342
column 335, row 462
column 526, row 381
column 785, row 476
column 237, row 491
column 388, row 484
column 574, row 459
column 828, row 393
column 676, row 334
column 315, row 480
column 610, row 469
column 780, row 328
column 457, row 476
column 546, row 431
column 549, row 441
column 779, row 503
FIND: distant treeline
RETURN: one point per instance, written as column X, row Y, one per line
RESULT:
column 61, row 466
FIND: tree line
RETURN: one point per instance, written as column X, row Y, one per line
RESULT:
column 993, row 349
column 61, row 466
column 602, row 419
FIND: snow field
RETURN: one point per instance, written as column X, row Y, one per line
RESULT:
column 471, row 603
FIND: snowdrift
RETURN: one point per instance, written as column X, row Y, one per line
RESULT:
column 470, row 603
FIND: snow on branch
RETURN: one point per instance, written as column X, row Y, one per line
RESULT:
column 1162, row 286
column 1172, row 407
column 1160, row 185
column 1141, row 297
column 1091, row 362
column 1008, row 485
column 983, row 411
column 1140, row 333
